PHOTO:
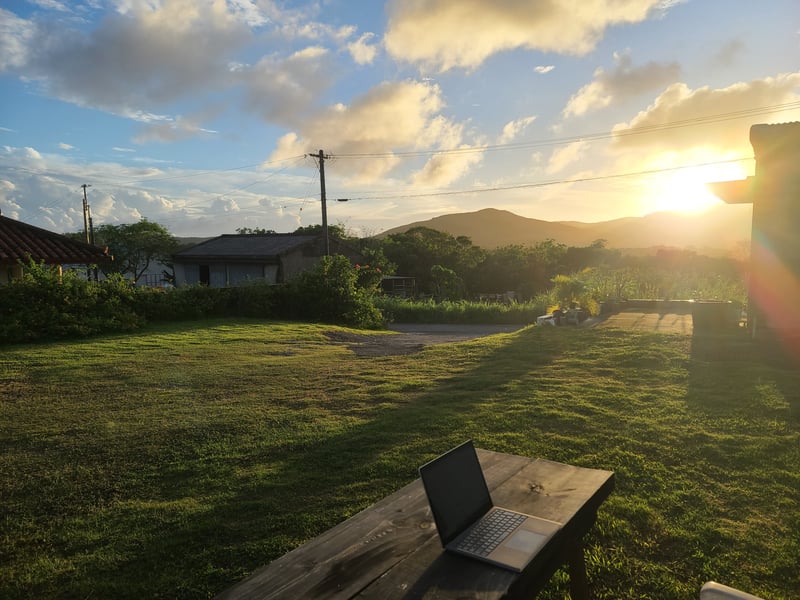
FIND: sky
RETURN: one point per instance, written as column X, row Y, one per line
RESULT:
column 205, row 116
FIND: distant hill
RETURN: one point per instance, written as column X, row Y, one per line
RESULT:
column 715, row 232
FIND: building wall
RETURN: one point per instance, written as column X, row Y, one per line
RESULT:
column 775, row 254
column 224, row 274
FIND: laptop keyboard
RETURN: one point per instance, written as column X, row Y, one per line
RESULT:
column 492, row 529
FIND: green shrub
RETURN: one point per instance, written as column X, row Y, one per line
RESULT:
column 329, row 293
column 44, row 304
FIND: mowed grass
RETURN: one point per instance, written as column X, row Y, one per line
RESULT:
column 172, row 463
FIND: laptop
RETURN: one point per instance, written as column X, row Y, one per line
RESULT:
column 468, row 522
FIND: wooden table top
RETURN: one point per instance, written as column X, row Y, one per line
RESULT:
column 391, row 549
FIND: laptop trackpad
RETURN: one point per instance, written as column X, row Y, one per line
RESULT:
column 525, row 541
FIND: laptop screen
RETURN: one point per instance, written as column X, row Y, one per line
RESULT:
column 456, row 490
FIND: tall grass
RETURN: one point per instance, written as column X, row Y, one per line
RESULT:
column 173, row 462
column 429, row 311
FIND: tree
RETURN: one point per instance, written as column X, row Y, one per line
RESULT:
column 135, row 247
column 336, row 232
column 447, row 285
column 419, row 249
column 254, row 231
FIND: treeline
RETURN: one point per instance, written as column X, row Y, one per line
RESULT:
column 446, row 267
column 453, row 278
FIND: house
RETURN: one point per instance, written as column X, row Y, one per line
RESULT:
column 774, row 286
column 232, row 259
column 20, row 242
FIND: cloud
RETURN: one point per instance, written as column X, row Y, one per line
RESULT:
column 513, row 128
column 727, row 55
column 362, row 52
column 623, row 82
column 443, row 169
column 439, row 35
column 15, row 38
column 541, row 69
column 143, row 57
column 391, row 117
column 699, row 109
column 563, row 157
column 180, row 128
column 285, row 90
column 64, row 146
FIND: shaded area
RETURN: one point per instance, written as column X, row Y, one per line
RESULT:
column 656, row 322
column 410, row 338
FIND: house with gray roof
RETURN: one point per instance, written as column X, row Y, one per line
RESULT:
column 233, row 259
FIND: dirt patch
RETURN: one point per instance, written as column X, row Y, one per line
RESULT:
column 409, row 339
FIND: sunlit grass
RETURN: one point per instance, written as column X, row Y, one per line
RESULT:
column 173, row 462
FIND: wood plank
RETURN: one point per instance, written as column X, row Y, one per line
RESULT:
column 392, row 549
column 543, row 488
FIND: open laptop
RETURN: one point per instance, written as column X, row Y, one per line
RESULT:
column 468, row 522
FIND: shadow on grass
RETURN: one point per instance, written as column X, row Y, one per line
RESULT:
column 306, row 487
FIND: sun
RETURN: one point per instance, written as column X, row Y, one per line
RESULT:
column 685, row 191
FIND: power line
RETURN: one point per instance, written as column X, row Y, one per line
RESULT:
column 643, row 129
column 547, row 183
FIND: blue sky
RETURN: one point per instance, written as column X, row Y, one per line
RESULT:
column 200, row 115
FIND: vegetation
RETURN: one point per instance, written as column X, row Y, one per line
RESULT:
column 174, row 461
column 449, row 270
column 45, row 304
column 135, row 247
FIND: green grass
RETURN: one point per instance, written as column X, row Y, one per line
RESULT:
column 173, row 462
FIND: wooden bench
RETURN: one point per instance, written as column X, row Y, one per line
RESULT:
column 391, row 549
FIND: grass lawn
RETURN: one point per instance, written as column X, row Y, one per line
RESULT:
column 173, row 462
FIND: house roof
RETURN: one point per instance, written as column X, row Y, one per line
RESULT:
column 245, row 247
column 19, row 241
column 737, row 191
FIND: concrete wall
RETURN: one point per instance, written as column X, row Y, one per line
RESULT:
column 775, row 254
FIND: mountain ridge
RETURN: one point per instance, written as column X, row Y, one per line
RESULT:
column 717, row 231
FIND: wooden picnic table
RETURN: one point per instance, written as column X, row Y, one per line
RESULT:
column 392, row 550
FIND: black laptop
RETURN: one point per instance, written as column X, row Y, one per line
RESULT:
column 468, row 522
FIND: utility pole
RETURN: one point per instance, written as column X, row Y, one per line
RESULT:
column 321, row 157
column 85, row 212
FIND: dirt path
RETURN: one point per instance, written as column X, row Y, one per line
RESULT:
column 410, row 338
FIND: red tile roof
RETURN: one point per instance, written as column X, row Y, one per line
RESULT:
column 18, row 241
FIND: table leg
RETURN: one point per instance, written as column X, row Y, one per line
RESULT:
column 578, row 582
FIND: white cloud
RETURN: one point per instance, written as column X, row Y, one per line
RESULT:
column 464, row 33
column 32, row 153
column 16, row 36
column 392, row 117
column 513, row 128
column 698, row 109
column 362, row 52
column 542, row 69
column 65, row 146
column 443, row 169
column 563, row 157
column 624, row 81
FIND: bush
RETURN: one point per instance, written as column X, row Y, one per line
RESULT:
column 45, row 304
column 329, row 293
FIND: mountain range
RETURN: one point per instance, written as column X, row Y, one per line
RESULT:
column 718, row 231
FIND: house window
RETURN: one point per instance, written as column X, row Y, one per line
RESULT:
column 205, row 275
